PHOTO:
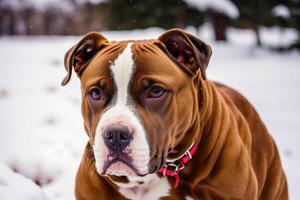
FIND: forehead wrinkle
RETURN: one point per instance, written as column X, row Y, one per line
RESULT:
column 145, row 47
column 100, row 64
column 112, row 47
column 149, row 56
column 110, row 52
column 152, row 63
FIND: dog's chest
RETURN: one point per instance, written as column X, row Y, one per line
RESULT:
column 154, row 188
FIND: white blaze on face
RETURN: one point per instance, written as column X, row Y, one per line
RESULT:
column 123, row 113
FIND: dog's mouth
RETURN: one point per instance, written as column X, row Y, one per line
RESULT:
column 119, row 167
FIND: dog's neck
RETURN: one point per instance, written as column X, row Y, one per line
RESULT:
column 213, row 133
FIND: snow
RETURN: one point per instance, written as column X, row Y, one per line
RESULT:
column 281, row 11
column 42, row 135
column 16, row 187
column 223, row 6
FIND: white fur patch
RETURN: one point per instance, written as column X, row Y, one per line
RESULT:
column 122, row 70
column 153, row 188
column 188, row 197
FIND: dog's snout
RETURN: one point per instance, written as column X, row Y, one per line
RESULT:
column 117, row 137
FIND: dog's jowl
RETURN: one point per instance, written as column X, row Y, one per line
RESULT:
column 158, row 129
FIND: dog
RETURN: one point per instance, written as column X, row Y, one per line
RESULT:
column 158, row 129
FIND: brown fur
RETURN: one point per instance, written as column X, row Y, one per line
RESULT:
column 236, row 157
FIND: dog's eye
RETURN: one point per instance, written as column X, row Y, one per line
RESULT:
column 96, row 93
column 156, row 92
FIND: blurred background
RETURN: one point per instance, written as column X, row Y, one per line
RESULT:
column 76, row 17
column 256, row 50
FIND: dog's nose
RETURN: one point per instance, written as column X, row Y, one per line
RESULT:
column 117, row 137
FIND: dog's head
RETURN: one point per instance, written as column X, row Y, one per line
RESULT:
column 139, row 98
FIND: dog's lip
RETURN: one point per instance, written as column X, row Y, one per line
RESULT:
column 115, row 160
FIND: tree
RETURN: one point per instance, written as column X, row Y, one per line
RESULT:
column 254, row 14
column 218, row 12
column 133, row 14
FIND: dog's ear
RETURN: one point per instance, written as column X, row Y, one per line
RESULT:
column 81, row 53
column 186, row 50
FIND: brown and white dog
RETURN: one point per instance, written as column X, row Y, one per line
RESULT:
column 147, row 105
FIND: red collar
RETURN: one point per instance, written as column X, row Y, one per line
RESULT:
column 173, row 167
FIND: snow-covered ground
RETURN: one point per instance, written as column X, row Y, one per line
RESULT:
column 41, row 130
